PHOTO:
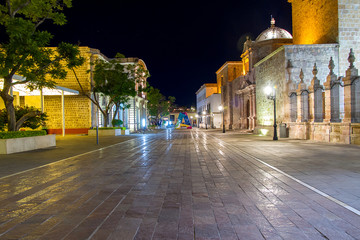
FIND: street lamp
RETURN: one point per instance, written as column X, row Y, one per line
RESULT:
column 221, row 109
column 192, row 122
column 204, row 113
column 271, row 94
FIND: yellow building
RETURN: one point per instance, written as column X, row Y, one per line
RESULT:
column 67, row 108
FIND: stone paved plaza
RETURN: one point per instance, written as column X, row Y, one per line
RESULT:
column 190, row 184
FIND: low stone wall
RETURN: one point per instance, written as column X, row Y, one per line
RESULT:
column 14, row 145
column 346, row 133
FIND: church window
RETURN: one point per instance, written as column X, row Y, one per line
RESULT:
column 318, row 105
column 293, row 107
column 355, row 108
column 304, row 106
column 335, row 104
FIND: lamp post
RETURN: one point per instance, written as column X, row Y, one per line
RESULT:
column 191, row 122
column 221, row 109
column 204, row 113
column 271, row 94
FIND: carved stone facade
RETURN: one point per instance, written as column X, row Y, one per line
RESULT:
column 282, row 68
column 333, row 117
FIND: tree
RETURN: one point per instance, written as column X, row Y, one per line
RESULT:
column 158, row 104
column 24, row 51
column 114, row 83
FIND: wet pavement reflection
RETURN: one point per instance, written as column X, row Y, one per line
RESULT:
column 191, row 184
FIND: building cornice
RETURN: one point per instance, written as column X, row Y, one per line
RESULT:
column 206, row 85
column 228, row 63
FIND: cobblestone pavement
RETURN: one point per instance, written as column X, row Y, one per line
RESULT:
column 68, row 146
column 189, row 184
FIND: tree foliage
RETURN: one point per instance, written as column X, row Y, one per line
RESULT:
column 158, row 104
column 35, row 121
column 24, row 50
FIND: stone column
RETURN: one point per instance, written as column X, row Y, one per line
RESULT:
column 241, row 109
column 331, row 79
column 299, row 90
column 250, row 107
column 254, row 108
column 315, row 98
column 351, row 74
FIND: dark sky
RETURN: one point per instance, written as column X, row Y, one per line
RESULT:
column 183, row 43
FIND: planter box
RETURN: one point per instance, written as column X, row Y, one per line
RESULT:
column 125, row 132
column 14, row 145
column 108, row 132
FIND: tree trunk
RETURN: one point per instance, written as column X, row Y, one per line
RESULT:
column 117, row 106
column 106, row 119
column 21, row 121
column 9, row 104
column 123, row 116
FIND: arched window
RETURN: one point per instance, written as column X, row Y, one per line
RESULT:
column 355, row 106
column 335, row 103
column 304, row 106
column 318, row 105
column 293, row 107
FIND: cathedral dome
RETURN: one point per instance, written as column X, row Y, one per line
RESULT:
column 273, row 33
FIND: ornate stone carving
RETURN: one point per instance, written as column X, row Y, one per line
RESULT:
column 302, row 85
column 315, row 82
column 351, row 58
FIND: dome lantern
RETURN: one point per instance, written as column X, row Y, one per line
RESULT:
column 273, row 33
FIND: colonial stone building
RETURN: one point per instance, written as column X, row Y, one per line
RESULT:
column 313, row 74
column 313, row 98
column 237, row 78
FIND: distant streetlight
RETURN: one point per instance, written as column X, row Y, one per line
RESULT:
column 221, row 109
column 271, row 94
column 204, row 113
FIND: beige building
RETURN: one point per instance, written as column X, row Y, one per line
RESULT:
column 208, row 100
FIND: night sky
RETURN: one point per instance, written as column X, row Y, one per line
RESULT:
column 183, row 43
